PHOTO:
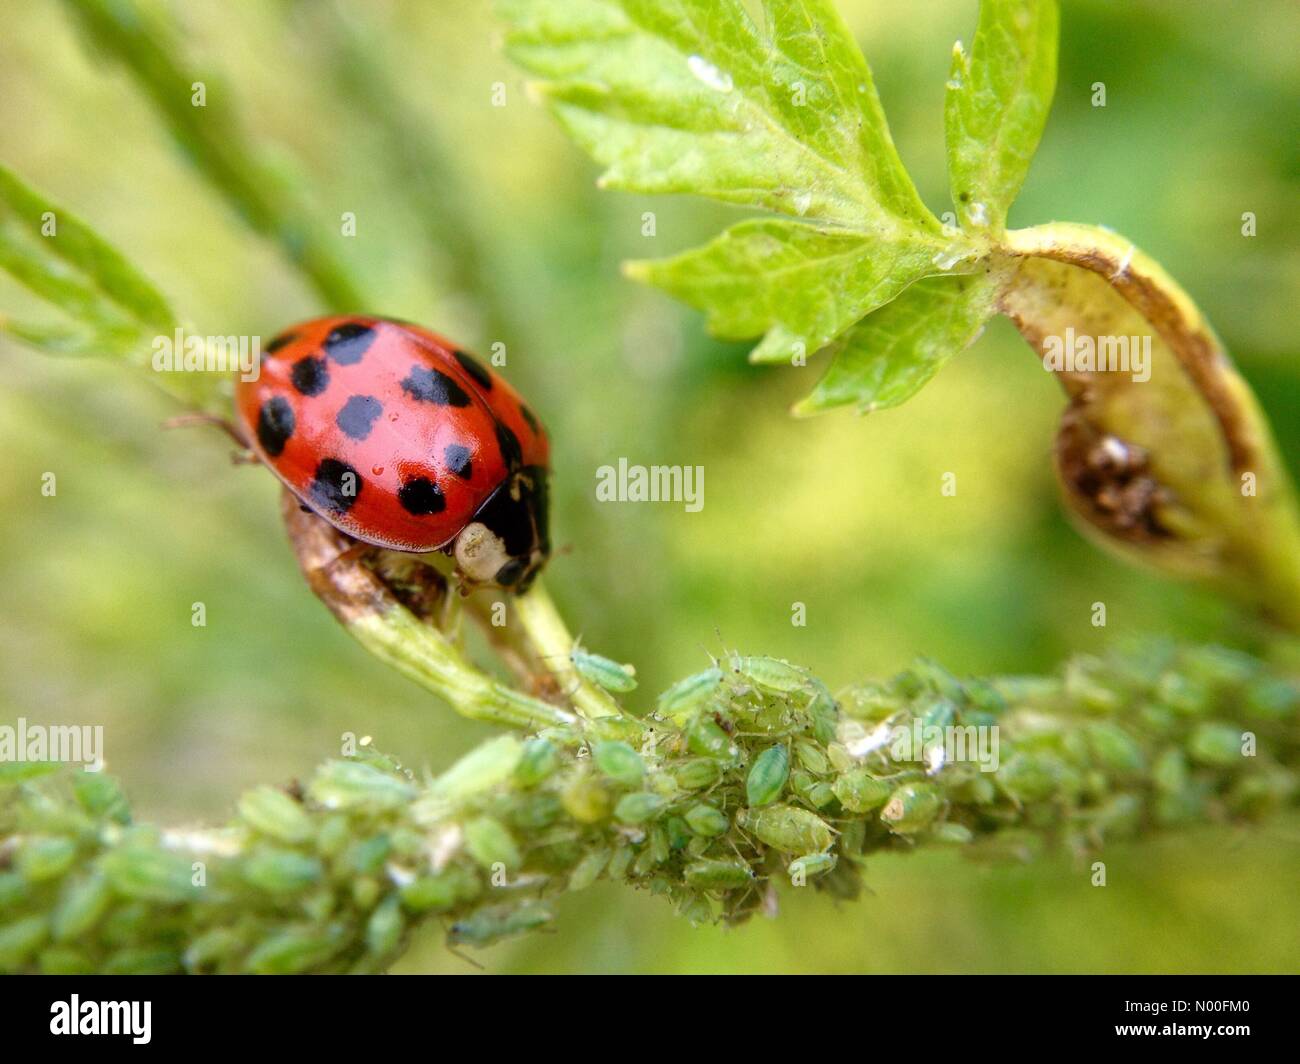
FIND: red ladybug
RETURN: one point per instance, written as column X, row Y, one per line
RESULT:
column 400, row 439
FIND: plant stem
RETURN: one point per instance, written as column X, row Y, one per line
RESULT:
column 373, row 615
column 550, row 638
column 337, row 875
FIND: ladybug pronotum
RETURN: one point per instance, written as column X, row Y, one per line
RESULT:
column 401, row 440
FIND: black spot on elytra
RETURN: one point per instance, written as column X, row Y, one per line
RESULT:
column 458, row 461
column 358, row 415
column 279, row 342
column 511, row 452
column 310, row 375
column 346, row 343
column 434, row 386
column 532, row 421
column 336, row 485
column 475, row 369
column 275, row 425
column 421, row 496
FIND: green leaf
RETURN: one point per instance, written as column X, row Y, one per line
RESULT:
column 890, row 356
column 61, row 259
column 116, row 311
column 694, row 96
column 801, row 285
column 996, row 106
column 691, row 96
column 150, row 44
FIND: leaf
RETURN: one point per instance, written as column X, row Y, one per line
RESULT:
column 996, row 106
column 692, row 96
column 889, row 357
column 116, row 311
column 73, row 267
column 150, row 45
column 800, row 285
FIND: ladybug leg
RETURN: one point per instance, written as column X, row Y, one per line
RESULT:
column 351, row 555
column 244, row 456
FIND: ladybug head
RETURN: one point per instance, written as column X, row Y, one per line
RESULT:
column 507, row 541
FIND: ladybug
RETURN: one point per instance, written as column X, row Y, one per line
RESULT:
column 400, row 439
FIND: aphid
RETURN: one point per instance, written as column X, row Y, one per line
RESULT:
column 811, row 864
column 401, row 440
column 718, row 875
column 789, row 829
column 771, row 674
column 618, row 761
column 911, row 807
column 602, row 671
column 767, row 776
column 491, row 925
column 706, row 820
column 685, row 695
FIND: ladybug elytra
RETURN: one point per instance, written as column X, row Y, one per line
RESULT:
column 401, row 440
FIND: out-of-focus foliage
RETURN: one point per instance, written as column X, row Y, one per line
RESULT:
column 842, row 515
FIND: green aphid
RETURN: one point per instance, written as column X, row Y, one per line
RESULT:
column 538, row 760
column 588, row 870
column 767, row 776
column 771, row 674
column 490, row 843
column 952, row 834
column 859, row 792
column 686, row 694
column 911, row 807
column 698, row 773
column 1216, row 744
column 491, row 925
column 811, row 864
column 812, row 757
column 706, row 820
column 594, row 668
column 1114, row 749
column 718, row 875
column 385, row 926
column 789, row 829
column 638, row 807
column 706, row 736
column 618, row 761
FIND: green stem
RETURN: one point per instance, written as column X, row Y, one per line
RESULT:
column 426, row 655
column 550, row 638
column 336, row 876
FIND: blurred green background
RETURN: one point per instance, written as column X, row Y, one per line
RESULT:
column 500, row 234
